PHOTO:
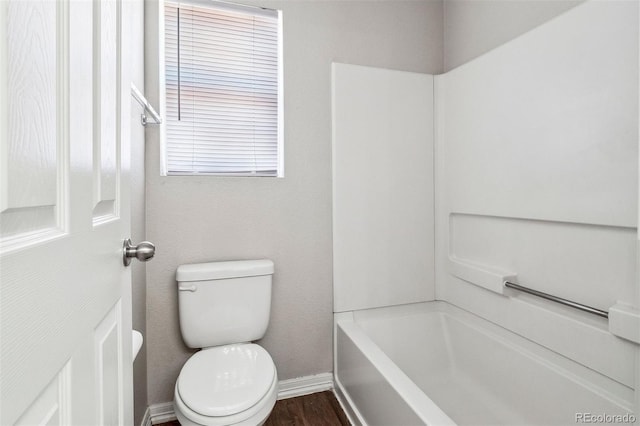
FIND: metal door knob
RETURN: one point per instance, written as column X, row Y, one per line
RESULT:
column 143, row 251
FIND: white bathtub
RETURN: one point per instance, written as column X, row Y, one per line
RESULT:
column 432, row 363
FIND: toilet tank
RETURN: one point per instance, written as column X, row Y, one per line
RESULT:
column 220, row 303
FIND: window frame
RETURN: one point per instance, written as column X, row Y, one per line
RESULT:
column 233, row 7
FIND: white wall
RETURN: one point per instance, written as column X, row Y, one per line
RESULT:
column 383, row 189
column 537, row 165
column 195, row 219
column 473, row 27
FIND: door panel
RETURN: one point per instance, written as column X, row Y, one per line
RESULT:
column 105, row 141
column 34, row 170
column 107, row 340
column 65, row 314
column 52, row 407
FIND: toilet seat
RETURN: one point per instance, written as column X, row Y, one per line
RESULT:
column 225, row 385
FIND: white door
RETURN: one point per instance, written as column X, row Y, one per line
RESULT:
column 65, row 308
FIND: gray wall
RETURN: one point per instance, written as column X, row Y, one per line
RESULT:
column 197, row 219
column 138, row 269
column 473, row 27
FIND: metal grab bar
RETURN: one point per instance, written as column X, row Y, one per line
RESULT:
column 557, row 299
column 138, row 96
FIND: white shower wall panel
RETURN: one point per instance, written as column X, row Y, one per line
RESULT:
column 383, row 187
column 545, row 127
column 537, row 175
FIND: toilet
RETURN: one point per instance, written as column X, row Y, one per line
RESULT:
column 223, row 307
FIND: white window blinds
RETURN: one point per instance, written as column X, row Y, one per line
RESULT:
column 222, row 75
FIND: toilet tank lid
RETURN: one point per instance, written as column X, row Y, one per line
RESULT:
column 221, row 270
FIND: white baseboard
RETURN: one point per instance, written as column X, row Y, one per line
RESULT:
column 146, row 419
column 305, row 385
column 161, row 413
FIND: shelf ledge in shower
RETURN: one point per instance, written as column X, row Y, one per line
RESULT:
column 481, row 275
column 624, row 322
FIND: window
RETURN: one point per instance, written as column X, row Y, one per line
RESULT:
column 223, row 93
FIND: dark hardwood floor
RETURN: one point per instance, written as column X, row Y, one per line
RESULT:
column 317, row 409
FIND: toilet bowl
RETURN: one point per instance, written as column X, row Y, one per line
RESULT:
column 222, row 307
column 227, row 385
